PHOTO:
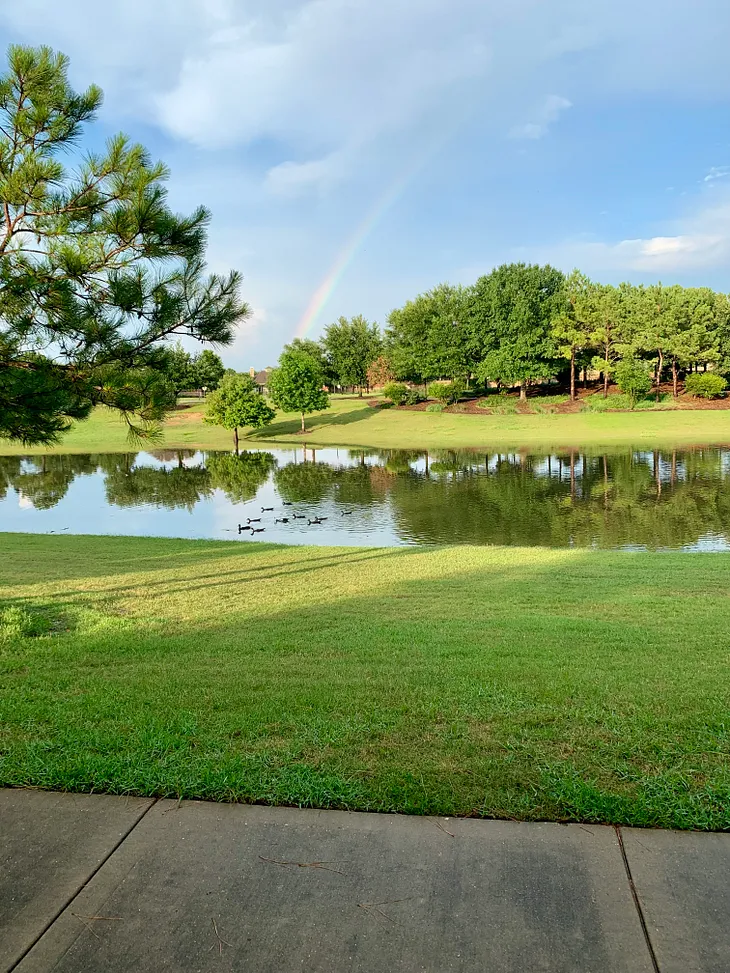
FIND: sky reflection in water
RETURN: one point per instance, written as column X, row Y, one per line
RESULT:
column 661, row 500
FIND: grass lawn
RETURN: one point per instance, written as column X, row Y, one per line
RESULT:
column 524, row 683
column 350, row 421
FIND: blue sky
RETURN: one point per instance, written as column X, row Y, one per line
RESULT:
column 584, row 134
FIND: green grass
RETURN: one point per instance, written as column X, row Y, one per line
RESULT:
column 350, row 421
column 597, row 403
column 523, row 683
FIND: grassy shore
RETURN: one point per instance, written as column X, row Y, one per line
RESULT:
column 350, row 421
column 523, row 683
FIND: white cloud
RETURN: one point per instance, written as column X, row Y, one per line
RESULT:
column 717, row 172
column 294, row 178
column 699, row 244
column 550, row 111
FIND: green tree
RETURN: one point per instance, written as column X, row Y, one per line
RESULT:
column 606, row 309
column 572, row 327
column 429, row 338
column 512, row 309
column 207, row 370
column 633, row 378
column 178, row 368
column 237, row 402
column 296, row 385
column 698, row 335
column 351, row 347
column 653, row 323
column 315, row 350
column 96, row 270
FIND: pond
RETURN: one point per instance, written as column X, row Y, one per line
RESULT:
column 636, row 499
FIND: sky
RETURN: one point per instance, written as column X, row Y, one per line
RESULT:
column 354, row 153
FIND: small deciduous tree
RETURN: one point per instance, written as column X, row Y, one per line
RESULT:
column 633, row 378
column 296, row 385
column 237, row 402
column 315, row 350
column 380, row 372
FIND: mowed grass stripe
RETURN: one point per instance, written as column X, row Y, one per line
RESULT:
column 524, row 683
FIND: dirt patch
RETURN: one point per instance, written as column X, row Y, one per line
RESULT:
column 184, row 418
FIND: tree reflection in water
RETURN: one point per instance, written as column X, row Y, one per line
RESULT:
column 652, row 498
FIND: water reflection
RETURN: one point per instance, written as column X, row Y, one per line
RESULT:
column 662, row 499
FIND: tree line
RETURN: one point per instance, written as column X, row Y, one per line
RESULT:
column 523, row 325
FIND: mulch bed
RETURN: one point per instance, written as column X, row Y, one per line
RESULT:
column 481, row 405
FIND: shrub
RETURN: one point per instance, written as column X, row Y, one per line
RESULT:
column 414, row 397
column 633, row 378
column 397, row 392
column 447, row 392
column 434, row 407
column 708, row 385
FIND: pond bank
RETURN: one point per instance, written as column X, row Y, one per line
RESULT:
column 351, row 421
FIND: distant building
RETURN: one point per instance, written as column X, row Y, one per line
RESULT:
column 261, row 379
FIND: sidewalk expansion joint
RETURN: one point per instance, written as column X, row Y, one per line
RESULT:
column 122, row 838
column 637, row 901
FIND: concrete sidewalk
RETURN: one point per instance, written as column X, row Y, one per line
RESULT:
column 115, row 885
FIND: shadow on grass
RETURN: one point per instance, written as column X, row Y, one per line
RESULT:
column 292, row 427
column 512, row 684
column 87, row 556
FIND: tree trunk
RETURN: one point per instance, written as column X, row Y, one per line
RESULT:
column 572, row 475
column 360, row 393
column 605, row 377
column 675, row 393
column 523, row 390
column 585, row 379
column 659, row 370
column 572, row 374
column 235, row 439
column 303, row 429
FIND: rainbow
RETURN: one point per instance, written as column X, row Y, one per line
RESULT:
column 345, row 256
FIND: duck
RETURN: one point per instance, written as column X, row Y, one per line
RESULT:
column 314, row 522
column 253, row 520
column 299, row 516
column 266, row 510
column 284, row 520
column 346, row 513
column 258, row 530
column 287, row 503
column 244, row 527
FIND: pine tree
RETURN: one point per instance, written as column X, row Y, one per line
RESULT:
column 96, row 271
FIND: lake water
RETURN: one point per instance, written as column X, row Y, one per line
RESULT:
column 658, row 500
